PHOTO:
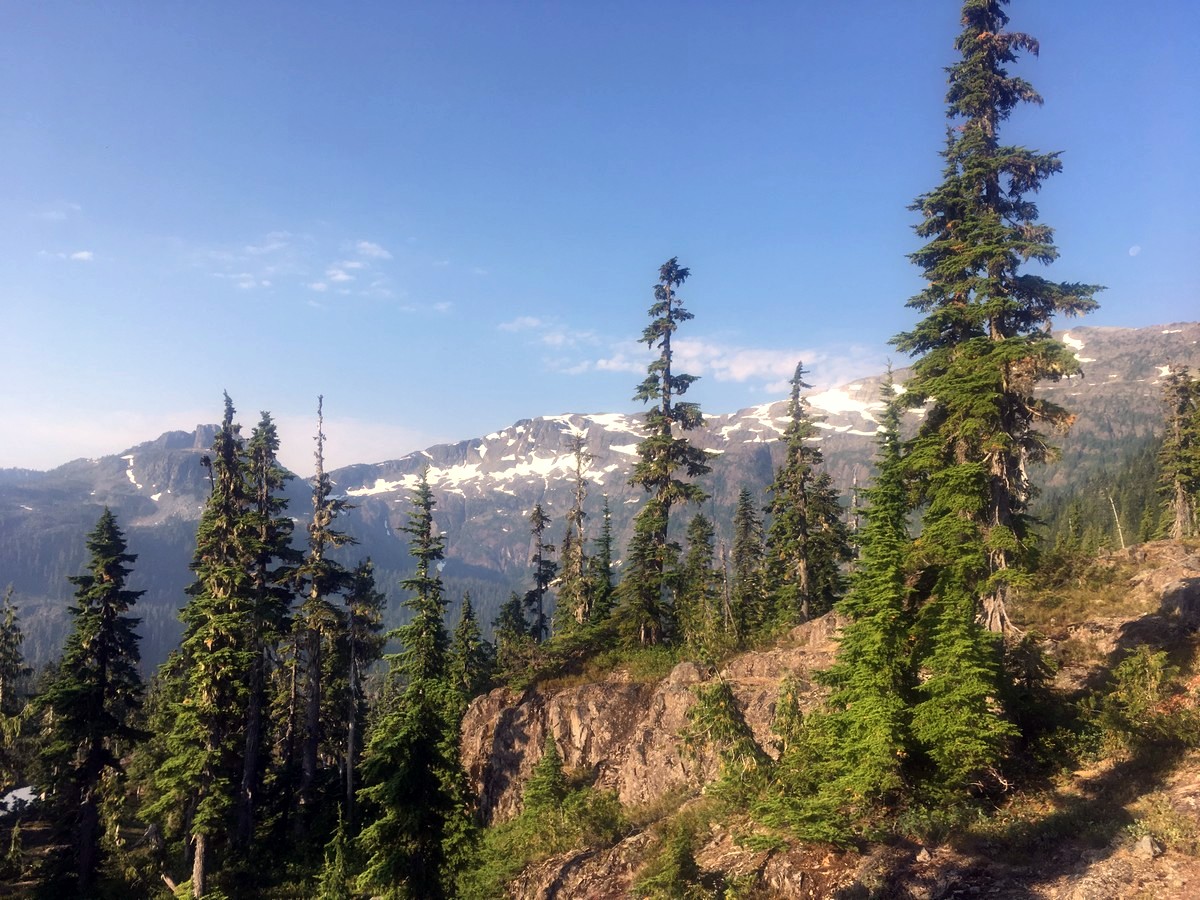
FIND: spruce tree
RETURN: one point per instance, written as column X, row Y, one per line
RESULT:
column 14, row 680
column 984, row 342
column 413, row 781
column 90, row 702
column 645, row 605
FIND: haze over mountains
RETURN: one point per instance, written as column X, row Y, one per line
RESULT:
column 486, row 486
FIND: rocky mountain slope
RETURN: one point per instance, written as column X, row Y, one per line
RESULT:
column 1126, row 826
column 486, row 486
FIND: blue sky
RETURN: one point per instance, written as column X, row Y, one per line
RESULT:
column 448, row 216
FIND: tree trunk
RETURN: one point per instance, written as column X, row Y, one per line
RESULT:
column 89, row 826
column 198, row 864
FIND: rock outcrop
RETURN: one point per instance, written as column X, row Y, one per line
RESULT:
column 627, row 734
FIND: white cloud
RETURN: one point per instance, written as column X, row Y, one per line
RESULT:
column 443, row 306
column 521, row 323
column 335, row 274
column 351, row 264
column 371, row 250
column 59, row 212
column 1135, row 250
column 274, row 241
column 318, row 286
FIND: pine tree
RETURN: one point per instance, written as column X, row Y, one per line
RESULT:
column 544, row 570
column 807, row 540
column 1179, row 456
column 645, row 608
column 320, row 623
column 984, row 342
column 92, row 697
column 271, row 535
column 413, row 781
column 747, row 611
column 199, row 779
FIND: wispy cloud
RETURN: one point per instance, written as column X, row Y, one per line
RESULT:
column 521, row 323
column 548, row 332
column 83, row 256
column 372, row 250
column 333, row 273
column 271, row 243
column 318, row 286
column 74, row 256
column 58, row 212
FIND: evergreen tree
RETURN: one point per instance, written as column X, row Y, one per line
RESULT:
column 334, row 880
column 748, row 594
column 91, row 699
column 413, row 780
column 515, row 648
column 547, row 785
column 573, row 607
column 984, row 342
column 14, row 678
column 1179, row 456
column 320, row 623
column 196, row 785
column 600, row 567
column 270, row 534
column 470, row 655
column 872, row 679
column 701, row 624
column 645, row 607
column 13, row 671
column 362, row 645
column 807, row 540
column 544, row 570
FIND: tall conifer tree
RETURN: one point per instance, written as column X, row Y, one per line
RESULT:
column 645, row 609
column 90, row 701
column 984, row 342
column 413, row 780
column 983, row 345
column 362, row 645
column 1179, row 456
column 544, row 570
column 200, row 776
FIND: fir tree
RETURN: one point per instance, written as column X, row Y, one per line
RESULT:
column 270, row 536
column 807, row 541
column 872, row 680
column 1179, row 455
column 470, row 655
column 320, row 622
column 544, row 570
column 333, row 883
column 413, row 781
column 600, row 566
column 14, row 677
column 573, row 607
column 984, row 342
column 200, row 775
column 547, row 785
column 645, row 613
column 89, row 703
column 13, row 671
column 515, row 648
column 701, row 624
column 747, row 610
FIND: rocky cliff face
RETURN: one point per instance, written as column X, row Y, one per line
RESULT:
column 627, row 734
